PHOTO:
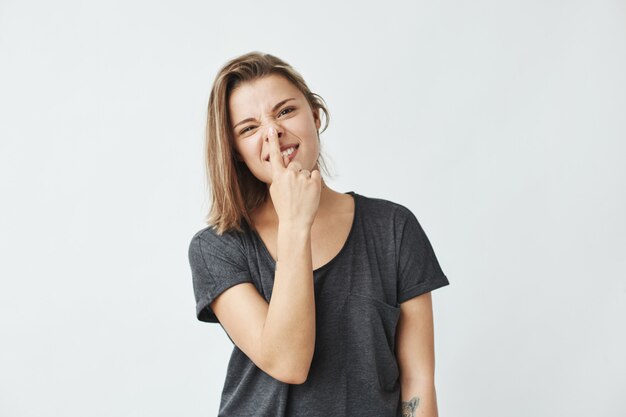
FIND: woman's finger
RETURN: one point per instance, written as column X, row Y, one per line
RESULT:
column 276, row 159
column 294, row 166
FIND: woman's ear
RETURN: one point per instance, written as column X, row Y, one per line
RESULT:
column 316, row 117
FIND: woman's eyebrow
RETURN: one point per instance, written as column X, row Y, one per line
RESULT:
column 250, row 119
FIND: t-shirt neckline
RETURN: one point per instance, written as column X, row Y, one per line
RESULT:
column 268, row 256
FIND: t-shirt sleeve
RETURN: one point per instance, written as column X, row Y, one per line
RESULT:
column 418, row 268
column 217, row 263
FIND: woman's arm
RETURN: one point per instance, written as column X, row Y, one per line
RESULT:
column 416, row 357
column 288, row 336
column 279, row 337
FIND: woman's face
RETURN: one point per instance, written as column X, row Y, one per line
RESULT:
column 272, row 101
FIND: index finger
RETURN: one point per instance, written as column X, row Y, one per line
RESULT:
column 276, row 159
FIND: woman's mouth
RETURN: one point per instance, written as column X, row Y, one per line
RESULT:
column 290, row 152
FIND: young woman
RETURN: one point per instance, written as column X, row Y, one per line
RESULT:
column 325, row 295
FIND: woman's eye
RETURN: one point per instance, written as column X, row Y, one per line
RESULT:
column 245, row 130
column 288, row 108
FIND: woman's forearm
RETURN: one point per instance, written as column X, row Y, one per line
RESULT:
column 419, row 399
column 288, row 338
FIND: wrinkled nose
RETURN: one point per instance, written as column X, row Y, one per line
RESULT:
column 277, row 128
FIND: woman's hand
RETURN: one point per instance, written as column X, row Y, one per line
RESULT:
column 295, row 192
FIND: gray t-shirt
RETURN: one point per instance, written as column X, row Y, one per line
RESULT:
column 386, row 260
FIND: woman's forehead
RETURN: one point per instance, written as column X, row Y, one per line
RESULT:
column 261, row 95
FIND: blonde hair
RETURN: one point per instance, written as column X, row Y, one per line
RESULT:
column 234, row 190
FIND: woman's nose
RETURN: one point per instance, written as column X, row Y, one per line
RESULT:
column 277, row 128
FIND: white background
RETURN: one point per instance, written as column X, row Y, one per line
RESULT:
column 500, row 124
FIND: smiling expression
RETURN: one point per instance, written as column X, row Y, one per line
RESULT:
column 272, row 101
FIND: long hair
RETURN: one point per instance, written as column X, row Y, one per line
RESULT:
column 234, row 190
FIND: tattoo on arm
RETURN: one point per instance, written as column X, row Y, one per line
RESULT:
column 409, row 407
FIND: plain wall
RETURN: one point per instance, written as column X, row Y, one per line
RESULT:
column 500, row 124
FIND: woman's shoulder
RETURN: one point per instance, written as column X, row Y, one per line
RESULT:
column 209, row 236
column 379, row 207
column 385, row 217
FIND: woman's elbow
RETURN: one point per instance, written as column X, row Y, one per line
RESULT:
column 290, row 374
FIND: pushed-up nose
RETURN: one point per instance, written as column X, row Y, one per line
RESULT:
column 278, row 130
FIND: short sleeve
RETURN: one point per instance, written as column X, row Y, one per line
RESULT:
column 418, row 268
column 217, row 263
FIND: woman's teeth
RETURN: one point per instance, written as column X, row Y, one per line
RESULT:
column 288, row 151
